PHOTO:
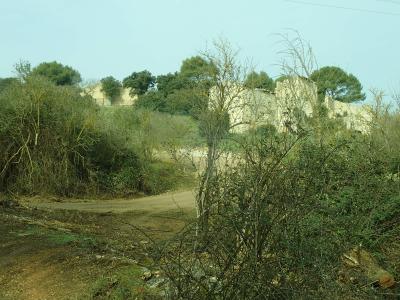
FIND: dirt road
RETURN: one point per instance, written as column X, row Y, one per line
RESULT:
column 66, row 247
column 179, row 200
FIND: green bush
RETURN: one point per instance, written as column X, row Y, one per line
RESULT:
column 283, row 215
column 55, row 141
column 116, row 169
column 160, row 177
column 44, row 134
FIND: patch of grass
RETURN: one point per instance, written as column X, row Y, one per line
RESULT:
column 124, row 283
column 58, row 238
column 182, row 215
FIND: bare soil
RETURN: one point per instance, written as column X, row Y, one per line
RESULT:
column 181, row 200
column 62, row 249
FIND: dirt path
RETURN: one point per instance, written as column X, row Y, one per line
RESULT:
column 63, row 249
column 53, row 252
column 180, row 200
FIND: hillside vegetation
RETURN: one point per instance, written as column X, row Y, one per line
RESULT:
column 55, row 141
column 309, row 209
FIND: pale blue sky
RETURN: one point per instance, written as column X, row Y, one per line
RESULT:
column 101, row 38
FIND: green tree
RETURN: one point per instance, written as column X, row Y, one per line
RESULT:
column 259, row 81
column 139, row 82
column 58, row 73
column 197, row 70
column 168, row 83
column 153, row 100
column 189, row 101
column 111, row 87
column 183, row 92
column 156, row 99
column 336, row 83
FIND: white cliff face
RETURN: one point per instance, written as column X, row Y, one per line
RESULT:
column 125, row 99
column 357, row 117
column 253, row 108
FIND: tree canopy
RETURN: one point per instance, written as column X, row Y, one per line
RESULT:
column 184, row 92
column 168, row 83
column 341, row 86
column 139, row 82
column 58, row 73
column 260, row 80
column 188, row 101
column 111, row 87
column 153, row 100
column 197, row 69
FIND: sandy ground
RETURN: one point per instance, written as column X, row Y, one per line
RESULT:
column 180, row 200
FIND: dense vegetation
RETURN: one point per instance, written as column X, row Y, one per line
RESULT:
column 282, row 217
column 276, row 210
column 279, row 217
column 54, row 140
column 182, row 93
